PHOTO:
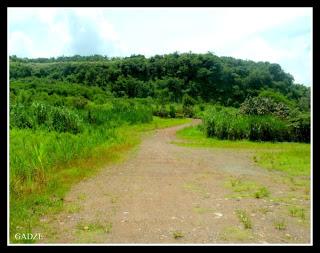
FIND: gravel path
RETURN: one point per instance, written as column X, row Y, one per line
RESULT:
column 164, row 193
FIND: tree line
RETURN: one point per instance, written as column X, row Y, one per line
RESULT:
column 204, row 77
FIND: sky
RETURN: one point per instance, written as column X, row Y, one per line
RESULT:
column 277, row 35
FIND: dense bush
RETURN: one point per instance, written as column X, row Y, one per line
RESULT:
column 264, row 106
column 277, row 97
column 19, row 116
column 161, row 111
column 64, row 120
column 41, row 113
column 228, row 123
column 300, row 127
column 44, row 116
column 187, row 105
column 79, row 102
column 267, row 128
column 172, row 112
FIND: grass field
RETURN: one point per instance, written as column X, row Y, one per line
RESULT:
column 289, row 157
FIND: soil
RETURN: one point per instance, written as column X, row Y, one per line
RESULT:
column 164, row 194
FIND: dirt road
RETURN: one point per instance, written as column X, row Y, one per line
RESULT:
column 165, row 193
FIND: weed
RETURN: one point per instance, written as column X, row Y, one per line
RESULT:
column 72, row 208
column 262, row 192
column 297, row 212
column 233, row 234
column 202, row 210
column 246, row 188
column 114, row 200
column 235, row 182
column 177, row 234
column 82, row 196
column 95, row 226
column 280, row 224
column 264, row 210
column 244, row 218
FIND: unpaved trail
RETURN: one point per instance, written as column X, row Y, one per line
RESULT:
column 165, row 193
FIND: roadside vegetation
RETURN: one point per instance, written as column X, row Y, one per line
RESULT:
column 290, row 157
column 69, row 116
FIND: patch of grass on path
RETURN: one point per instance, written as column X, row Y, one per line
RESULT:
column 235, row 234
column 244, row 218
column 246, row 188
column 177, row 234
column 289, row 157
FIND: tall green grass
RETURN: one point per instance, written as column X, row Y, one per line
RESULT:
column 45, row 140
column 33, row 154
column 47, row 155
column 43, row 135
column 230, row 124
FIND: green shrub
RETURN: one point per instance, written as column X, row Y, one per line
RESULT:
column 244, row 218
column 277, row 97
column 187, row 105
column 267, row 128
column 280, row 224
column 225, row 123
column 297, row 212
column 264, row 106
column 300, row 127
column 161, row 111
column 172, row 111
column 79, row 102
column 261, row 192
column 19, row 116
column 64, row 120
column 228, row 123
column 41, row 113
column 117, row 113
column 24, row 97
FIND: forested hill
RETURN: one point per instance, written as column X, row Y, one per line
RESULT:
column 205, row 77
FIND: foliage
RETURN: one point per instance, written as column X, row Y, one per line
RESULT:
column 63, row 110
column 297, row 212
column 289, row 157
column 262, row 192
column 64, row 120
column 267, row 128
column 228, row 123
column 226, row 80
column 19, row 116
column 280, row 224
column 300, row 127
column 263, row 105
column 187, row 105
column 277, row 97
column 244, row 218
column 43, row 165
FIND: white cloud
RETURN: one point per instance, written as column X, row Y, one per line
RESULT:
column 20, row 44
column 57, row 31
